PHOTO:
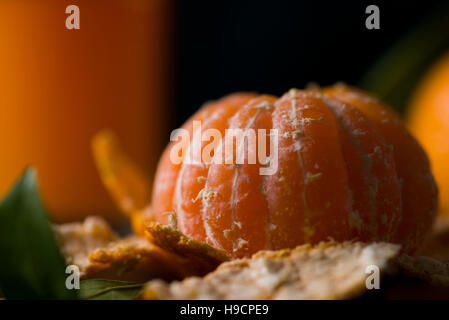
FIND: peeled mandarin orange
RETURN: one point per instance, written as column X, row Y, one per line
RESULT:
column 347, row 168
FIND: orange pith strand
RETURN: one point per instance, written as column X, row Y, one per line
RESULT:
column 347, row 169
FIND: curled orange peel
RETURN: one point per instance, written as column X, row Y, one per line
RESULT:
column 125, row 181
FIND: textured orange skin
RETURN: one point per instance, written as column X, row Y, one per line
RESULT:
column 340, row 171
column 429, row 121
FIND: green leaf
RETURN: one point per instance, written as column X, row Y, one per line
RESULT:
column 100, row 289
column 31, row 266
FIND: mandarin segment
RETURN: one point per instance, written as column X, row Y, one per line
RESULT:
column 322, row 163
column 235, row 217
column 374, row 185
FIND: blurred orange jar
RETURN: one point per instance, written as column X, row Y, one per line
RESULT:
column 58, row 87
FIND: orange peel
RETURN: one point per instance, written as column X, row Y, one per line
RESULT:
column 125, row 181
column 203, row 256
column 100, row 254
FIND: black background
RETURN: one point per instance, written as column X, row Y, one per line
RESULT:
column 272, row 46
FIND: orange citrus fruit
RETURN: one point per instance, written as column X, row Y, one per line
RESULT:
column 429, row 121
column 347, row 169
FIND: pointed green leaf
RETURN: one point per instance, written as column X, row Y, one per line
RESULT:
column 31, row 266
column 101, row 289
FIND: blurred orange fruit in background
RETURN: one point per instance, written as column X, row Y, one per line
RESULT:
column 59, row 87
column 429, row 121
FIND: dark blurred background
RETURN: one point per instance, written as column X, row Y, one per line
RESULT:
column 271, row 46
